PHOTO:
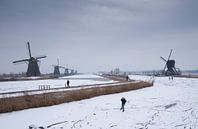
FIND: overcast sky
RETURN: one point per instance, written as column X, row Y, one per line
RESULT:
column 97, row 35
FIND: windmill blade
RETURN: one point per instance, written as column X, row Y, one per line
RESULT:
column 57, row 61
column 165, row 63
column 29, row 49
column 170, row 54
column 40, row 57
column 163, row 59
column 165, row 67
column 24, row 60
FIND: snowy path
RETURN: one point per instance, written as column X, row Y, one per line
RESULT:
column 75, row 80
column 167, row 105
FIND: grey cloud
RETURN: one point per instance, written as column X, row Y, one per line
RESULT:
column 94, row 35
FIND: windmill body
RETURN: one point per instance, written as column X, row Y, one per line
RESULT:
column 33, row 68
column 56, row 70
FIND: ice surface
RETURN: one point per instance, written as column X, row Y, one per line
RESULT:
column 169, row 104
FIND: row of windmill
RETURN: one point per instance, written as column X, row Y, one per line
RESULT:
column 67, row 71
column 33, row 67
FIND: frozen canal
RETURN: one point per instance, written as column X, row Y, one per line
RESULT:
column 169, row 104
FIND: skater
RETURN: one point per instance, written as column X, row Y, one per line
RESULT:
column 68, row 83
column 127, row 78
column 123, row 100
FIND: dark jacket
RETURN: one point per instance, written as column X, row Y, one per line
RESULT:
column 123, row 100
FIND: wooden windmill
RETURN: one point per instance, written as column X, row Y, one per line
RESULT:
column 169, row 68
column 57, row 68
column 33, row 68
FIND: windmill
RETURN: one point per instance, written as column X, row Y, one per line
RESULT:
column 33, row 68
column 169, row 68
column 57, row 68
column 67, row 73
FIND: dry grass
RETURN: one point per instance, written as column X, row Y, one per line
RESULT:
column 47, row 99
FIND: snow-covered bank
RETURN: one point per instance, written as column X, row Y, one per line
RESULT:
column 77, row 80
column 170, row 104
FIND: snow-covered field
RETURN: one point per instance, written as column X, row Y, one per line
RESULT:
column 75, row 80
column 169, row 104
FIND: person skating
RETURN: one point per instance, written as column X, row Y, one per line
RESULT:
column 68, row 83
column 123, row 100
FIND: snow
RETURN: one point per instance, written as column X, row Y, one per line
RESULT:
column 141, row 78
column 169, row 104
column 76, row 80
